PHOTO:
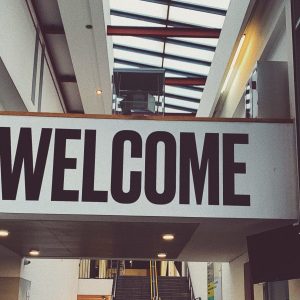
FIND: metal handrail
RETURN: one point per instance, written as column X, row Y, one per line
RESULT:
column 153, row 281
column 190, row 283
column 114, row 286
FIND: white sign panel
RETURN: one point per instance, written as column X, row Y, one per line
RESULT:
column 117, row 167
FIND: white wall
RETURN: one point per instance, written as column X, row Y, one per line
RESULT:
column 52, row 279
column 258, row 292
column 17, row 36
column 262, row 29
column 198, row 273
column 294, row 289
column 95, row 286
column 233, row 278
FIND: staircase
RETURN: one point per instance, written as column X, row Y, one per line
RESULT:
column 138, row 288
column 133, row 288
column 173, row 288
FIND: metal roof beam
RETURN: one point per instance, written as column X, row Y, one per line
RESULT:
column 185, row 81
column 206, row 9
column 53, row 29
column 67, row 78
column 166, row 55
column 200, row 32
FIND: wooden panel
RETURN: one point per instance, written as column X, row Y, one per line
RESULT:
column 143, row 117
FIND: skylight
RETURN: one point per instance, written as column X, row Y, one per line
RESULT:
column 181, row 57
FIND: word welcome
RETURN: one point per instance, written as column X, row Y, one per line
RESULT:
column 192, row 166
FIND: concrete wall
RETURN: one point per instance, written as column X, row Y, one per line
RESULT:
column 198, row 273
column 265, row 31
column 17, row 49
column 52, row 279
column 294, row 289
column 233, row 278
column 95, row 286
column 258, row 292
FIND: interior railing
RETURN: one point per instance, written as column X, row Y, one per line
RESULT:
column 153, row 280
column 115, row 280
column 188, row 275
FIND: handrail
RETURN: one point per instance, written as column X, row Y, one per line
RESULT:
column 192, row 294
column 153, row 280
column 151, row 285
column 114, row 286
column 156, row 280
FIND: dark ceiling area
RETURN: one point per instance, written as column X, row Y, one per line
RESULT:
column 56, row 239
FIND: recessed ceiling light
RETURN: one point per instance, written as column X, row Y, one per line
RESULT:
column 168, row 236
column 34, row 252
column 162, row 255
column 4, row 233
column 99, row 92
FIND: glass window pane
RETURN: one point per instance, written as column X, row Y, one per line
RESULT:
column 138, row 57
column 168, row 74
column 118, row 65
column 141, row 7
column 194, row 17
column 222, row 4
column 189, row 52
column 181, row 103
column 123, row 21
column 172, row 110
column 200, row 41
column 140, row 43
column 183, row 92
column 185, row 66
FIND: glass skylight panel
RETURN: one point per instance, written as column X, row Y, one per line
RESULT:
column 118, row 65
column 138, row 57
column 221, row 4
column 182, row 103
column 140, row 43
column 123, row 21
column 173, row 110
column 194, row 17
column 200, row 41
column 168, row 74
column 189, row 52
column 183, row 92
column 141, row 7
column 186, row 66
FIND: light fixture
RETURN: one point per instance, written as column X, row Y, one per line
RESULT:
column 168, row 236
column 34, row 252
column 162, row 255
column 237, row 52
column 99, row 92
column 4, row 233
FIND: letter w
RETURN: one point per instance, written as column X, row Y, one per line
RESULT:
column 10, row 173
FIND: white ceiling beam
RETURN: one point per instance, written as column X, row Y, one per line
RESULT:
column 90, row 52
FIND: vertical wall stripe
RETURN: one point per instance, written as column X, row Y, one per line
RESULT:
column 41, row 78
column 35, row 61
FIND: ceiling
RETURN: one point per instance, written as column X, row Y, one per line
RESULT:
column 181, row 57
column 204, row 239
column 82, row 54
column 82, row 57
